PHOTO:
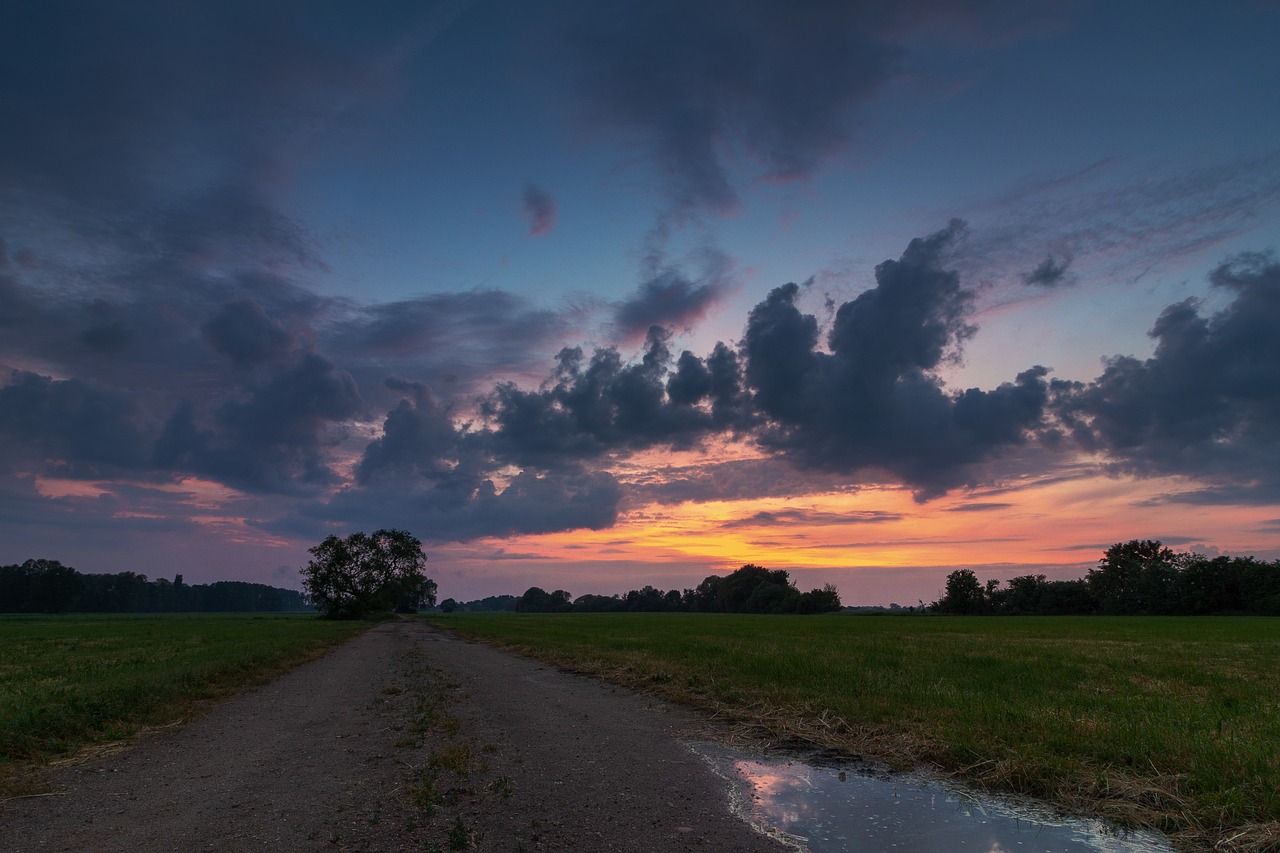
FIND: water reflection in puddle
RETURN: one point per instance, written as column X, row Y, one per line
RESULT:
column 853, row 810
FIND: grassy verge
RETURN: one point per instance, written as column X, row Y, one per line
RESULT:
column 71, row 681
column 1169, row 723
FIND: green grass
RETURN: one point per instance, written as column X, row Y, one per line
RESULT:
column 1172, row 723
column 70, row 681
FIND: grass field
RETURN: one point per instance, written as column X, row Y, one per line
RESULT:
column 70, row 681
column 1170, row 723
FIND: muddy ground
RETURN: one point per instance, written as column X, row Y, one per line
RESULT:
column 402, row 739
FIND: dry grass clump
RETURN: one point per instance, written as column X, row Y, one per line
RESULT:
column 1250, row 838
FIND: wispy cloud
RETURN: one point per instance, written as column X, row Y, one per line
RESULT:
column 811, row 518
column 1099, row 225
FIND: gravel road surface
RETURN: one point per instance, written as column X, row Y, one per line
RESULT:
column 404, row 738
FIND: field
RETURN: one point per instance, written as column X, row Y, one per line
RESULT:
column 1170, row 723
column 70, row 681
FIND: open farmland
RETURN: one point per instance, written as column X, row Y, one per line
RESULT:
column 1170, row 723
column 68, row 681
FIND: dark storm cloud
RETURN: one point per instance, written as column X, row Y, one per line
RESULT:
column 101, row 103
column 74, row 427
column 1207, row 402
column 874, row 401
column 272, row 440
column 144, row 322
column 701, row 82
column 141, row 149
column 704, row 86
column 16, row 307
column 540, row 209
column 145, row 253
column 1050, row 273
column 244, row 333
column 669, row 298
column 109, row 331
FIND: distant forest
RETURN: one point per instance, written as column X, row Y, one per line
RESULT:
column 750, row 589
column 1135, row 578
column 47, row 586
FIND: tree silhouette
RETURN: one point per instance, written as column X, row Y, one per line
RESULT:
column 368, row 573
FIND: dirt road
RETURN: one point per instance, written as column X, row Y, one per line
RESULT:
column 402, row 739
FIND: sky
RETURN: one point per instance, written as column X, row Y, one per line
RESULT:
column 594, row 295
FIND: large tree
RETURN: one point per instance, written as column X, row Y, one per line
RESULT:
column 964, row 596
column 368, row 573
column 1132, row 577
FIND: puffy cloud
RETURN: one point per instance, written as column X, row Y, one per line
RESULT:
column 874, row 402
column 418, row 439
column 718, row 381
column 428, row 474
column 598, row 406
column 1207, row 403
column 540, row 209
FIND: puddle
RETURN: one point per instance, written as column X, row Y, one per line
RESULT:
column 854, row 809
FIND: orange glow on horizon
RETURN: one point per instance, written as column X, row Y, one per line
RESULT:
column 1057, row 522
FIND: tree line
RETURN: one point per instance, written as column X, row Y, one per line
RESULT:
column 750, row 589
column 47, row 586
column 1135, row 578
column 488, row 604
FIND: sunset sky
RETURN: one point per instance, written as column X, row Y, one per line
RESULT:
column 593, row 295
